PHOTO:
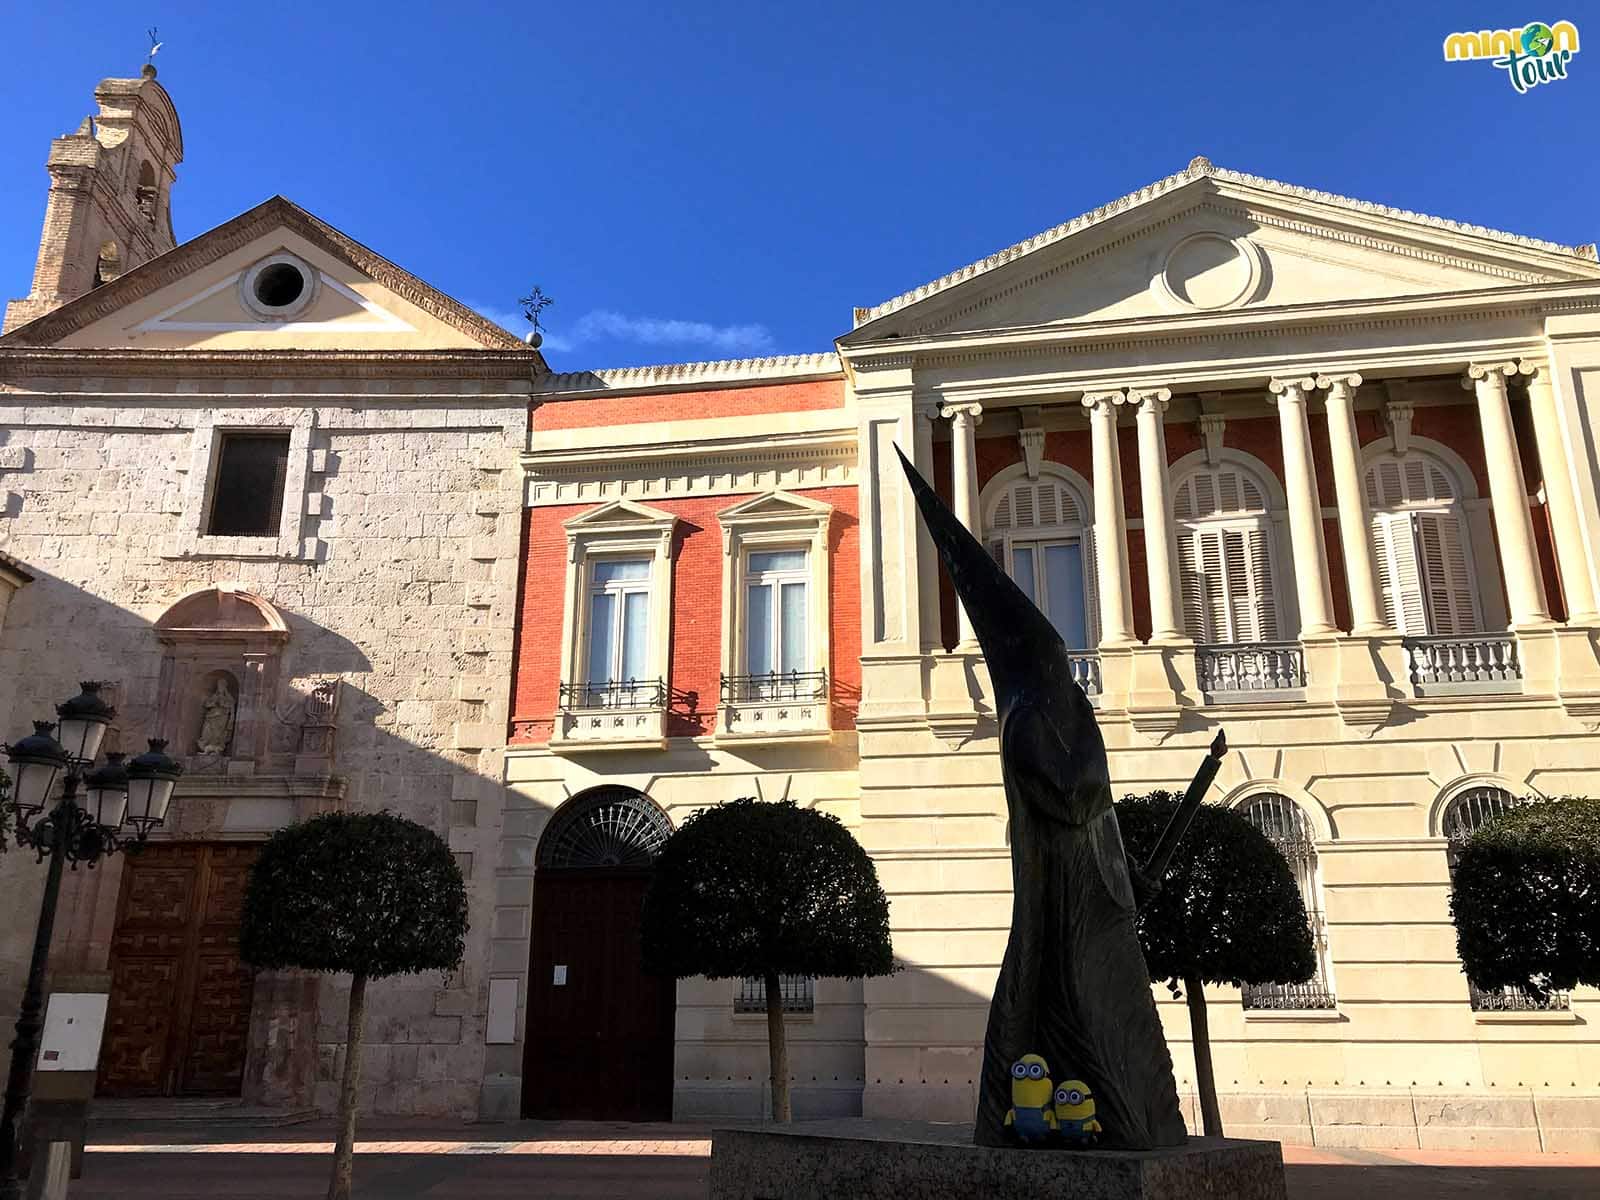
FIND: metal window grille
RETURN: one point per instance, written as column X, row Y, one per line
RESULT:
column 606, row 827
column 1463, row 817
column 247, row 493
column 798, row 992
column 1286, row 827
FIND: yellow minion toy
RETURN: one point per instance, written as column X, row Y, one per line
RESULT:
column 1031, row 1117
column 1074, row 1113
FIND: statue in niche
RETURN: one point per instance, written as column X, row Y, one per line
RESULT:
column 216, row 719
column 1073, row 989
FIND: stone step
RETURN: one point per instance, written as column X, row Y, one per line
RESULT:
column 160, row 1113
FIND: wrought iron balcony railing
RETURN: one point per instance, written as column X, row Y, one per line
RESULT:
column 777, row 685
column 1288, row 997
column 1244, row 667
column 1479, row 662
column 1515, row 999
column 614, row 693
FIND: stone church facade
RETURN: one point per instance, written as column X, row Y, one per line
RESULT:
column 1319, row 472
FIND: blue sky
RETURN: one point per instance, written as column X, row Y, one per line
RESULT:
column 723, row 179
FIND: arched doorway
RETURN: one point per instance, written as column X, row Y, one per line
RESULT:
column 599, row 1031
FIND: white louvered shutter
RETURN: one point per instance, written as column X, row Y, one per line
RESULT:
column 1192, row 585
column 1398, row 575
column 1091, row 591
column 1261, row 599
column 1213, row 585
column 1452, row 600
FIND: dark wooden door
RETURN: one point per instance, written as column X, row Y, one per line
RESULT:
column 179, row 1012
column 599, row 1030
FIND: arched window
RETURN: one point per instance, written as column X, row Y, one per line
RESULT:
column 1039, row 531
column 147, row 192
column 610, row 827
column 1287, row 827
column 109, row 264
column 1225, row 556
column 1466, row 813
column 1420, row 534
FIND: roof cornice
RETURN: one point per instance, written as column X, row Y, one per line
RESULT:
column 1201, row 168
column 34, row 362
column 218, row 243
column 731, row 372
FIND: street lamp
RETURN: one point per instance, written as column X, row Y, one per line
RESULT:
column 116, row 796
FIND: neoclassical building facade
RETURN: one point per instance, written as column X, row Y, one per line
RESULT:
column 1314, row 471
column 1317, row 472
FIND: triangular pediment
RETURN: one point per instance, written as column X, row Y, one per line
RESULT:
column 619, row 515
column 1210, row 241
column 275, row 278
column 776, row 505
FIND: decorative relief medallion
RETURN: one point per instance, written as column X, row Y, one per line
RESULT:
column 1210, row 271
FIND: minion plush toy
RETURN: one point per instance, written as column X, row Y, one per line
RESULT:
column 1075, row 1113
column 1031, row 1119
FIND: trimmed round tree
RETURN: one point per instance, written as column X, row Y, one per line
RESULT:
column 371, row 894
column 1227, row 912
column 757, row 889
column 1525, row 898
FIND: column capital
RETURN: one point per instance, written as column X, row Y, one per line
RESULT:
column 1149, row 399
column 1292, row 389
column 1104, row 400
column 1490, row 373
column 1341, row 386
column 1537, row 370
column 966, row 412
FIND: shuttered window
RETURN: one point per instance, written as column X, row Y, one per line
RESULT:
column 1225, row 563
column 1038, row 531
column 247, row 493
column 1420, row 536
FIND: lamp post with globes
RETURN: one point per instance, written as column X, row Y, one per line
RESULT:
column 118, row 797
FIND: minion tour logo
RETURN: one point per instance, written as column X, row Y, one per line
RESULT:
column 1537, row 53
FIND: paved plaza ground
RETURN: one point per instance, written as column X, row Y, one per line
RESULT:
column 572, row 1161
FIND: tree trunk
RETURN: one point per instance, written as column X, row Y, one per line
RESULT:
column 1210, row 1115
column 778, row 1050
column 344, row 1150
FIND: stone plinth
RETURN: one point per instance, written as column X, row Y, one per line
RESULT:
column 890, row 1160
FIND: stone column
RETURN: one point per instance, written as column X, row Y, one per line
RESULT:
column 1155, row 491
column 923, row 418
column 1571, row 556
column 1305, row 508
column 1355, row 534
column 1508, row 493
column 964, row 422
column 1110, row 522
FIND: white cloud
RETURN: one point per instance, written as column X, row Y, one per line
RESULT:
column 606, row 325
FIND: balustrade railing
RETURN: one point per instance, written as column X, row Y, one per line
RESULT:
column 1288, row 997
column 775, row 685
column 614, row 693
column 1516, row 999
column 1085, row 667
column 1244, row 667
column 1479, row 662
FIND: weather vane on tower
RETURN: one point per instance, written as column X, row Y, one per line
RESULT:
column 155, row 45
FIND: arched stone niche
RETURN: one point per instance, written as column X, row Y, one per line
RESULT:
column 219, row 678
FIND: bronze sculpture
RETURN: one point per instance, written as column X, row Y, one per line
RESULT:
column 1073, row 985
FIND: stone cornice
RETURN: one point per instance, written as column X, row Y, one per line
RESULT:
column 19, row 362
column 1202, row 169
column 218, row 243
column 783, row 368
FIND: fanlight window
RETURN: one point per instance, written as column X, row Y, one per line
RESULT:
column 1463, row 816
column 1286, row 826
column 607, row 827
column 1225, row 557
column 1420, row 534
column 1039, row 533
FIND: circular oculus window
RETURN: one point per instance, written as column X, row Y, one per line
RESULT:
column 278, row 288
column 1209, row 270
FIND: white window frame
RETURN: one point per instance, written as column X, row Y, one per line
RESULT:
column 1265, row 523
column 1401, row 520
column 1040, row 536
column 776, row 581
column 619, row 530
column 621, row 590
column 776, row 520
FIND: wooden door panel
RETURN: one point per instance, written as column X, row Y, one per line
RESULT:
column 179, row 1012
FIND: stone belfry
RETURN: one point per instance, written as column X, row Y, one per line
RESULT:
column 110, row 195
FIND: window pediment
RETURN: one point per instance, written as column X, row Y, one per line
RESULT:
column 620, row 517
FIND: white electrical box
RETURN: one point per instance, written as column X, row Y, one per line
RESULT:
column 502, row 1025
column 73, row 1024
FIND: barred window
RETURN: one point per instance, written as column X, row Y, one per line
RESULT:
column 1463, row 816
column 798, row 994
column 247, row 493
column 1285, row 825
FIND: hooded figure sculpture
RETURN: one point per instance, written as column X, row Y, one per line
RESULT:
column 1073, row 985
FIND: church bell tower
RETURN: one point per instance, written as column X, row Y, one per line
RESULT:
column 109, row 207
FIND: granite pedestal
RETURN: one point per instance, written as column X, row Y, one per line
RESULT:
column 912, row 1160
